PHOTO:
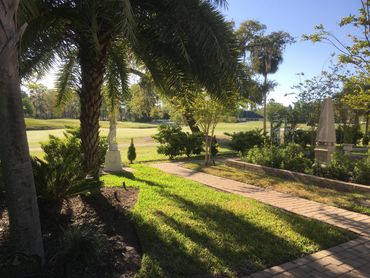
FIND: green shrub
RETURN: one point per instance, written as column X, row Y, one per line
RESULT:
column 301, row 137
column 61, row 173
column 174, row 142
column 340, row 167
column 267, row 156
column 365, row 140
column 193, row 144
column 243, row 141
column 294, row 159
column 361, row 172
column 318, row 169
column 82, row 245
column 290, row 157
column 131, row 153
column 350, row 134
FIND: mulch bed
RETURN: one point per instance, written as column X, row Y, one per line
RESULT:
column 108, row 213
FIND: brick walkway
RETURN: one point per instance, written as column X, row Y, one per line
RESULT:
column 350, row 259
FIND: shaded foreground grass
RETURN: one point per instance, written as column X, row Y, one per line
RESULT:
column 189, row 230
column 358, row 202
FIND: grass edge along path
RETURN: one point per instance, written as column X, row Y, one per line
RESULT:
column 353, row 201
column 187, row 229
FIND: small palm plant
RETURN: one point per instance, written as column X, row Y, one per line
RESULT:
column 131, row 153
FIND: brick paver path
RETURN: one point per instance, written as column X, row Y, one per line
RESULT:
column 350, row 259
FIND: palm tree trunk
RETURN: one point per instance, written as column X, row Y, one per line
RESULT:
column 191, row 122
column 14, row 153
column 264, row 103
column 92, row 73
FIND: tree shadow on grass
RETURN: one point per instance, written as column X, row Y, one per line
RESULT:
column 235, row 243
column 332, row 236
column 124, row 174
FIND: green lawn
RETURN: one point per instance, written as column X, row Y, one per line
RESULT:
column 358, row 202
column 146, row 148
column 41, row 124
column 190, row 230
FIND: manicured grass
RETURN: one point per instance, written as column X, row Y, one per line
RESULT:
column 146, row 148
column 190, row 230
column 41, row 124
column 358, row 202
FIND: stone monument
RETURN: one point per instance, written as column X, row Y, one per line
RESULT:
column 113, row 161
column 325, row 138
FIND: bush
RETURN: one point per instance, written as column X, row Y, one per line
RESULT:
column 61, row 173
column 361, row 172
column 350, row 134
column 243, row 141
column 294, row 159
column 131, row 153
column 365, row 140
column 174, row 142
column 318, row 169
column 193, row 144
column 340, row 167
column 302, row 137
column 82, row 244
column 291, row 157
column 267, row 156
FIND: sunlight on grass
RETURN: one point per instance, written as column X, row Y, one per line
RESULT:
column 142, row 134
column 358, row 202
column 189, row 230
column 42, row 124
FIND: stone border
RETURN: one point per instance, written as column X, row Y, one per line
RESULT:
column 300, row 177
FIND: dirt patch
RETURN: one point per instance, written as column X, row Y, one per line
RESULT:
column 108, row 213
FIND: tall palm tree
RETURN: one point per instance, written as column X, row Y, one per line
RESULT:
column 14, row 153
column 266, row 52
column 178, row 41
column 266, row 56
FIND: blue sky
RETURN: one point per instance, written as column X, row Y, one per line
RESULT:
column 296, row 17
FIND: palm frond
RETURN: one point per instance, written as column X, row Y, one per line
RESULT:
column 187, row 41
column 68, row 78
column 116, row 76
column 44, row 39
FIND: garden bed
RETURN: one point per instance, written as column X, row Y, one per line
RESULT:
column 295, row 176
column 107, row 213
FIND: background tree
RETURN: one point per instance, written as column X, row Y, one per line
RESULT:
column 276, row 111
column 357, row 53
column 14, row 153
column 266, row 52
column 208, row 112
column 311, row 92
column 356, row 95
column 141, row 103
column 28, row 108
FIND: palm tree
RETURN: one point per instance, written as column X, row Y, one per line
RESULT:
column 14, row 153
column 266, row 52
column 179, row 41
column 266, row 56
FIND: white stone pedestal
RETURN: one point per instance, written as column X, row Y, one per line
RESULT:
column 323, row 153
column 113, row 161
